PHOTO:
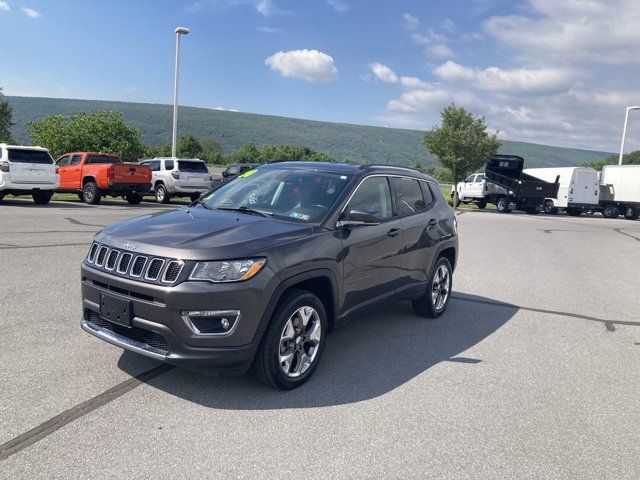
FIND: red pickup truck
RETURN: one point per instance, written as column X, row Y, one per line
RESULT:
column 93, row 175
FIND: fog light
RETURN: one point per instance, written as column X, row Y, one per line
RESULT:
column 211, row 322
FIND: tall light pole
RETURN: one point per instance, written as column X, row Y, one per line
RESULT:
column 179, row 31
column 624, row 131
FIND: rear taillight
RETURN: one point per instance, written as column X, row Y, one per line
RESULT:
column 110, row 175
column 4, row 166
column 175, row 175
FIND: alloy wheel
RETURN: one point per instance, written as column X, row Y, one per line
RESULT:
column 440, row 287
column 300, row 341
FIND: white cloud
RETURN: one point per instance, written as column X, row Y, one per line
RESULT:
column 269, row 30
column 411, row 23
column 310, row 65
column 339, row 6
column 384, row 73
column 518, row 81
column 440, row 50
column 30, row 12
column 266, row 8
column 603, row 31
column 4, row 6
column 449, row 25
column 222, row 109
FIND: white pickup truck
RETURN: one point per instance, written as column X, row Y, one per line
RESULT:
column 475, row 189
column 27, row 171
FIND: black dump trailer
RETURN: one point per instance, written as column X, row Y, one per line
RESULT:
column 519, row 191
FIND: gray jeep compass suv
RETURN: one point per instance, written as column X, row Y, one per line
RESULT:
column 257, row 272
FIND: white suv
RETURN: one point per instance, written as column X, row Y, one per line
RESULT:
column 178, row 177
column 27, row 171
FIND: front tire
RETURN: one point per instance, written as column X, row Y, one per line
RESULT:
column 162, row 196
column 549, row 208
column 610, row 211
column 436, row 299
column 631, row 213
column 293, row 343
column 502, row 205
column 91, row 193
column 42, row 198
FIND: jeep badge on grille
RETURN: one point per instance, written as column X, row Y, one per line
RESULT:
column 130, row 245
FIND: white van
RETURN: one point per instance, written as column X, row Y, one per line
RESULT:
column 27, row 171
column 178, row 177
column 621, row 191
column 579, row 188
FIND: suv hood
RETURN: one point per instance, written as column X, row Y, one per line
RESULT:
column 200, row 234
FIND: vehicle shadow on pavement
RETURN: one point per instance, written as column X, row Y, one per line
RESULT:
column 368, row 357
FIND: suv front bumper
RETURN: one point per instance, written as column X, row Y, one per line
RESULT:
column 158, row 329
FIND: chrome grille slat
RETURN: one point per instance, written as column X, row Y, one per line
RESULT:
column 92, row 253
column 112, row 260
column 125, row 259
column 173, row 271
column 154, row 269
column 138, row 266
column 102, row 254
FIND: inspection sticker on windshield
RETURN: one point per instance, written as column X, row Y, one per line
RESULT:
column 299, row 216
column 248, row 173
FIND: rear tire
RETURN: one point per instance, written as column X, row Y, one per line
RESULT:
column 91, row 193
column 162, row 196
column 610, row 211
column 502, row 205
column 631, row 213
column 436, row 297
column 268, row 365
column 133, row 198
column 42, row 198
column 549, row 208
column 481, row 205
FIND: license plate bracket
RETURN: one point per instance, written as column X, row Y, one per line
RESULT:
column 116, row 310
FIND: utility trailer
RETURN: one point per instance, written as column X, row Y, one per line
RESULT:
column 579, row 189
column 522, row 191
column 620, row 191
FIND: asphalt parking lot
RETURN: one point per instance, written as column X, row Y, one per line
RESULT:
column 533, row 372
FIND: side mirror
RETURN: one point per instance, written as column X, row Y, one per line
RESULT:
column 359, row 216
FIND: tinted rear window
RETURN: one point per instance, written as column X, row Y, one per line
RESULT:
column 409, row 199
column 103, row 159
column 193, row 167
column 29, row 156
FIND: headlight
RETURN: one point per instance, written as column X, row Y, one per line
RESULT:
column 227, row 270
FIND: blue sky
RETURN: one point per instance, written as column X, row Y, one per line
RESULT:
column 545, row 71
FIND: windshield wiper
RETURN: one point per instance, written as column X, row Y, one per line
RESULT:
column 200, row 202
column 248, row 210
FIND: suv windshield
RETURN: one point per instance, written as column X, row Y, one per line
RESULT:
column 299, row 195
column 192, row 167
column 19, row 155
column 103, row 159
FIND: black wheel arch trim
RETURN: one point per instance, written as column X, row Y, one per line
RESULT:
column 288, row 282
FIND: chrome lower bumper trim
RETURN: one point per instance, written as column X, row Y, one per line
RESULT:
column 124, row 342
